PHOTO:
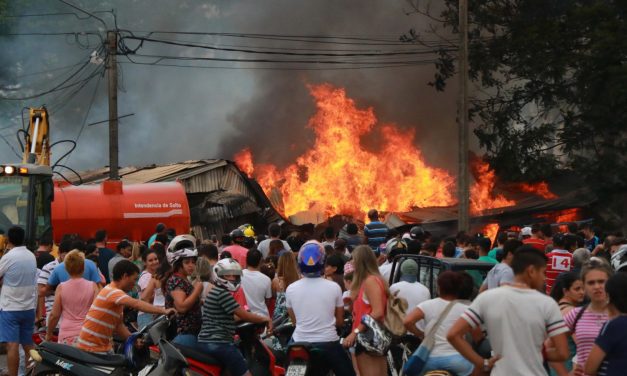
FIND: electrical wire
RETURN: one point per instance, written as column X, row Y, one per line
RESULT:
column 10, row 145
column 160, row 58
column 330, row 68
column 58, row 87
column 284, row 53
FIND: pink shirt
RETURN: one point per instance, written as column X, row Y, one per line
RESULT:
column 77, row 294
column 238, row 252
column 586, row 332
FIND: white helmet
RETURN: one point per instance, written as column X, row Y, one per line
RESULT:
column 182, row 246
column 224, row 267
column 619, row 259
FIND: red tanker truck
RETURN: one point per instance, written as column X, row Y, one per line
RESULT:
column 30, row 198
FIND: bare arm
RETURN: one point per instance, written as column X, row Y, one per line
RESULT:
column 142, row 306
column 339, row 316
column 373, row 293
column 411, row 320
column 251, row 317
column 148, row 294
column 456, row 338
column 54, row 315
column 594, row 360
column 184, row 302
column 559, row 352
column 122, row 331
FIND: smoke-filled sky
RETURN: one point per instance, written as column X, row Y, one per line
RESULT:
column 186, row 113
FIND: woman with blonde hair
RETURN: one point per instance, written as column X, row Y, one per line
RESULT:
column 369, row 293
column 286, row 274
column 204, row 275
column 72, row 300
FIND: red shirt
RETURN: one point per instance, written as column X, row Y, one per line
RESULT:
column 560, row 261
column 539, row 244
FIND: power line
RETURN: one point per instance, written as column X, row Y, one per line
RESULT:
column 286, row 53
column 160, row 58
column 93, row 97
column 85, row 12
column 58, row 87
column 330, row 68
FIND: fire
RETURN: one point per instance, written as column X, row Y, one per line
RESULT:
column 481, row 196
column 490, row 231
column 337, row 175
column 244, row 160
column 541, row 189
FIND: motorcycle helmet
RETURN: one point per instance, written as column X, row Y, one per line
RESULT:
column 182, row 246
column 417, row 233
column 619, row 259
column 311, row 259
column 395, row 244
column 237, row 235
column 248, row 230
column 225, row 267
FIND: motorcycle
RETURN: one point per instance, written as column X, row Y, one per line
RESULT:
column 57, row 359
column 260, row 358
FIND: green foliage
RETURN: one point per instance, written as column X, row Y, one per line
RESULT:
column 554, row 86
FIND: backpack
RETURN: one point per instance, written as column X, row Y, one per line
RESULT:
column 395, row 314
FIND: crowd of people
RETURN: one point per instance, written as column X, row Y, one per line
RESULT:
column 554, row 302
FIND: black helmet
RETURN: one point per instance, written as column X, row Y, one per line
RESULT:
column 417, row 233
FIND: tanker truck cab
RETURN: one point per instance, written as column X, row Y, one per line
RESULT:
column 26, row 194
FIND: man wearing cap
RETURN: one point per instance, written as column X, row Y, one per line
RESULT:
column 408, row 287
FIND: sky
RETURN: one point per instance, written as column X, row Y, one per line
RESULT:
column 194, row 113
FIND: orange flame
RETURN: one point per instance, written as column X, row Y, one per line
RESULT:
column 244, row 161
column 541, row 189
column 337, row 175
column 481, row 196
column 490, row 231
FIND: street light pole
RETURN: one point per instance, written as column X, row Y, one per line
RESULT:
column 463, row 193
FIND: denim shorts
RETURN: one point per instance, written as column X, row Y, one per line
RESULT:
column 456, row 364
column 17, row 326
column 228, row 353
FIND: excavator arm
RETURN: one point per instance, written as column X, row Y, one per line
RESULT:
column 37, row 147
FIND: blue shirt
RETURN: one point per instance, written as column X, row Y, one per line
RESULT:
column 613, row 341
column 59, row 274
column 376, row 232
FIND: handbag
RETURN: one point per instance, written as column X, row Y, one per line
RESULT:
column 376, row 338
column 395, row 314
column 417, row 361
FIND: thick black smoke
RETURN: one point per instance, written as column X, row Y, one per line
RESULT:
column 203, row 113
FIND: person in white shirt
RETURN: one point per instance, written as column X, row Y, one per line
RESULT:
column 315, row 306
column 257, row 286
column 409, row 288
column 18, row 297
column 393, row 247
column 454, row 288
column 518, row 320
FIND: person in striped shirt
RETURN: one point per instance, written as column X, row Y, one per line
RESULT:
column 105, row 316
column 518, row 319
column 585, row 322
column 376, row 231
column 218, row 323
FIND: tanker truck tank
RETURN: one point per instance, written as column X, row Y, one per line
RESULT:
column 126, row 211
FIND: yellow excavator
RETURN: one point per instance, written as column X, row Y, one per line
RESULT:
column 26, row 188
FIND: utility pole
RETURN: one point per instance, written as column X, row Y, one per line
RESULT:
column 463, row 194
column 112, row 68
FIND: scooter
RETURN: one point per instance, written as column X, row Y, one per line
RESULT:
column 304, row 361
column 54, row 358
column 260, row 358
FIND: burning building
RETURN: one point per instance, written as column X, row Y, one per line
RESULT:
column 338, row 175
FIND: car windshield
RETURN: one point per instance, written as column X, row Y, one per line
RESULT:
column 13, row 201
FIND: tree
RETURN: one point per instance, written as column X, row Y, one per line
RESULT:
column 553, row 78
